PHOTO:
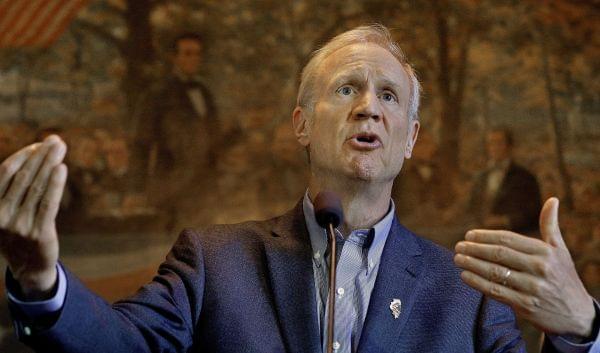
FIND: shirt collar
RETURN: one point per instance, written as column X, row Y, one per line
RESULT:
column 318, row 235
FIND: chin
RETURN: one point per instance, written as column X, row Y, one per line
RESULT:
column 364, row 169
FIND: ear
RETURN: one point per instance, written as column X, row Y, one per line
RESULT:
column 413, row 132
column 300, row 126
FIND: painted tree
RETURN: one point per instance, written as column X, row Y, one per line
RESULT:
column 124, row 24
column 555, row 41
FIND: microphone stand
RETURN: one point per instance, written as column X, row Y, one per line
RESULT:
column 331, row 296
column 329, row 214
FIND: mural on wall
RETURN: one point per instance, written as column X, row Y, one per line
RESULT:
column 95, row 72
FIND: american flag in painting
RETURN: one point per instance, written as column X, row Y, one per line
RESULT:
column 35, row 23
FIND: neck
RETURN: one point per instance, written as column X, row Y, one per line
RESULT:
column 365, row 203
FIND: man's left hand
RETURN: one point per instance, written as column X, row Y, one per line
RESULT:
column 537, row 278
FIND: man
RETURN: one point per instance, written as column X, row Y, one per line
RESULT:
column 176, row 128
column 261, row 286
column 505, row 195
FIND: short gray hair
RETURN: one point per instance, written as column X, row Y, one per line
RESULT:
column 377, row 34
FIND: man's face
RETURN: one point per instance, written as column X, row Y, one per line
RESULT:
column 188, row 56
column 360, row 127
column 497, row 146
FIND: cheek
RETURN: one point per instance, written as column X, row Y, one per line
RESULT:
column 399, row 145
column 399, row 132
column 326, row 120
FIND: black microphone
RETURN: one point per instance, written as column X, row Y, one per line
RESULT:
column 329, row 215
column 328, row 209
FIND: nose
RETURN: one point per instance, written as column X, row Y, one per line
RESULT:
column 367, row 106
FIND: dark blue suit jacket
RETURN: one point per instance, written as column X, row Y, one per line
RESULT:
column 250, row 288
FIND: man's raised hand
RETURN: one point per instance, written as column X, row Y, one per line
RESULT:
column 537, row 278
column 31, row 185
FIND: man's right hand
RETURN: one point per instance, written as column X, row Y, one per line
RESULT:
column 31, row 185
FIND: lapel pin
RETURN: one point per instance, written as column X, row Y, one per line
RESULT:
column 396, row 307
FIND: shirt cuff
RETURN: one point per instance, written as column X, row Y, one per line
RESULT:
column 564, row 345
column 34, row 309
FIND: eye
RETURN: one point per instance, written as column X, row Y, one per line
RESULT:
column 345, row 90
column 388, row 97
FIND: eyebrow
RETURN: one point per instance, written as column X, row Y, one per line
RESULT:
column 392, row 85
column 352, row 77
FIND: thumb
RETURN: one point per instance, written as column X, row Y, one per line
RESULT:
column 549, row 228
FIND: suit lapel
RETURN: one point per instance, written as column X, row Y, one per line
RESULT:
column 290, row 267
column 399, row 272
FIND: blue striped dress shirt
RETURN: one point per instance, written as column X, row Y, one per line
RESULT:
column 358, row 258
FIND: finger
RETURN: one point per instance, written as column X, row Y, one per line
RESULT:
column 520, row 281
column 508, row 239
column 549, row 227
column 22, row 179
column 12, row 164
column 497, row 254
column 50, row 202
column 25, row 217
column 54, row 157
column 519, row 301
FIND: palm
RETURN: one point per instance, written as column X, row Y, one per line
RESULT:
column 31, row 185
column 26, row 255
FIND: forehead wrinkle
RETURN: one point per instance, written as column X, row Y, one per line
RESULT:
column 350, row 76
column 364, row 67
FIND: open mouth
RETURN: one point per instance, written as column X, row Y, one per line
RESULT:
column 365, row 141
column 366, row 138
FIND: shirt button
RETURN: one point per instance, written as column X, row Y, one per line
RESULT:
column 336, row 345
column 341, row 292
column 317, row 255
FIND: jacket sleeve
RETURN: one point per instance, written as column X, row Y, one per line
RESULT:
column 160, row 317
column 497, row 330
